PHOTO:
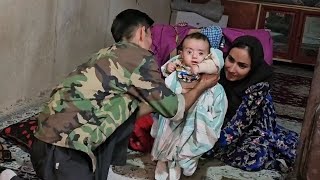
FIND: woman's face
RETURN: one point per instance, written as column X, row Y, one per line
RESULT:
column 237, row 64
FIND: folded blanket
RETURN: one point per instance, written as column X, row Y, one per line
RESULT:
column 212, row 10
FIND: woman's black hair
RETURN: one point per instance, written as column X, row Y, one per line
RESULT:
column 260, row 72
column 253, row 47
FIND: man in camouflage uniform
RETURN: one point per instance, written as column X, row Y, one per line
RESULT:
column 93, row 110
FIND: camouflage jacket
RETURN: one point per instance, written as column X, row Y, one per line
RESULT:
column 99, row 95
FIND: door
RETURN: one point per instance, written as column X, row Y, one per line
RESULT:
column 282, row 23
column 308, row 38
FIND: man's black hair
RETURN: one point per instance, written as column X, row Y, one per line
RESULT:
column 127, row 21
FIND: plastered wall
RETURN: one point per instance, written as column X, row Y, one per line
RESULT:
column 41, row 41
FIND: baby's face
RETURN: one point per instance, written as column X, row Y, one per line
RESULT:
column 194, row 51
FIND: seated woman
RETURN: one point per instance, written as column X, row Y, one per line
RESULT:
column 250, row 138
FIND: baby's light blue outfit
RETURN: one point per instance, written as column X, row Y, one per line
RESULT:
column 181, row 143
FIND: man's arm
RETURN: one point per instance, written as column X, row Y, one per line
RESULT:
column 151, row 89
column 144, row 109
column 207, row 81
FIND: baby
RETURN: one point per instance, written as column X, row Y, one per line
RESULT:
column 179, row 144
column 194, row 59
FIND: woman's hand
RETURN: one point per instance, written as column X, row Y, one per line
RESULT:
column 206, row 81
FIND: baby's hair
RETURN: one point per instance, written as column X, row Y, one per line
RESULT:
column 196, row 35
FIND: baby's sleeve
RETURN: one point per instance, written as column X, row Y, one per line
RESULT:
column 163, row 68
column 213, row 63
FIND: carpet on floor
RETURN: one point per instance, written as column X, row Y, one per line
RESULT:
column 290, row 89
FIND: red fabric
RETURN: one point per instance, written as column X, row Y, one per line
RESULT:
column 21, row 132
column 140, row 139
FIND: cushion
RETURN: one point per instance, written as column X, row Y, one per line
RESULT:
column 21, row 132
column 140, row 139
column 230, row 34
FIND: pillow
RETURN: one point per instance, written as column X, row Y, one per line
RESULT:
column 21, row 132
column 230, row 34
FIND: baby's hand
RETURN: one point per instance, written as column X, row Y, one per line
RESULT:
column 171, row 67
column 195, row 69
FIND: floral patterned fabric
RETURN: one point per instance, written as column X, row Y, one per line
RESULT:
column 252, row 140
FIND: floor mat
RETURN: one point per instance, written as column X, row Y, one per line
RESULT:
column 290, row 90
column 290, row 103
column 20, row 163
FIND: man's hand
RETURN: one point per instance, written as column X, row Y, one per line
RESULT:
column 144, row 109
column 207, row 81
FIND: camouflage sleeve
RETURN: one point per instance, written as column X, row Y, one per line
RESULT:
column 181, row 108
column 152, row 89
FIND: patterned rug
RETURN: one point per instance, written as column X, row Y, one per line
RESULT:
column 290, row 91
column 20, row 162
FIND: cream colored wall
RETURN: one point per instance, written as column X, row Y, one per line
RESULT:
column 41, row 41
column 159, row 11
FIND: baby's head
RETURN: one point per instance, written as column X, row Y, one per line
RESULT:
column 195, row 47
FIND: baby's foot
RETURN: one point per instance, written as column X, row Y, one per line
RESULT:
column 161, row 172
column 191, row 169
column 174, row 171
column 7, row 174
